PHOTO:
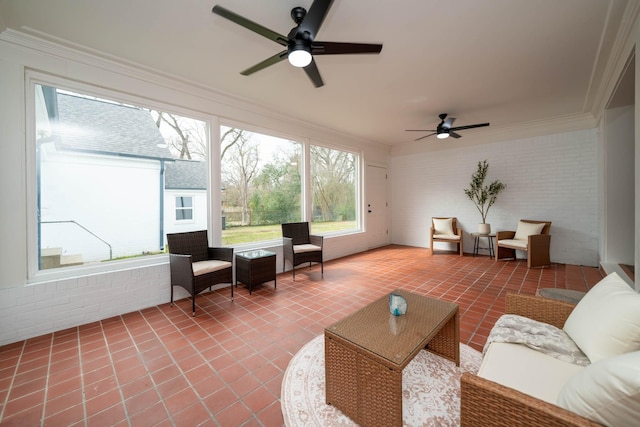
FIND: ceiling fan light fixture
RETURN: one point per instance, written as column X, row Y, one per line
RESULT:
column 442, row 135
column 299, row 56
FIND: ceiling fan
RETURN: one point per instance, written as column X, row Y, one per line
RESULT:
column 444, row 129
column 300, row 44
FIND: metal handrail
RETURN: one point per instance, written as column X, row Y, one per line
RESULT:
column 85, row 229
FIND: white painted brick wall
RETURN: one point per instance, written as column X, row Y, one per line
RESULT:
column 36, row 309
column 551, row 177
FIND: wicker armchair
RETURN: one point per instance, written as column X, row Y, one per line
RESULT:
column 441, row 232
column 536, row 246
column 299, row 247
column 195, row 266
column 486, row 403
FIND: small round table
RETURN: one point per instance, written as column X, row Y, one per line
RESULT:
column 476, row 242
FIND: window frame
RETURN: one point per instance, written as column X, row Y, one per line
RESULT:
column 306, row 179
column 213, row 198
column 184, row 209
column 33, row 78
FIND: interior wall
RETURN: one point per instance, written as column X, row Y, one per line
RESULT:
column 553, row 178
column 619, row 191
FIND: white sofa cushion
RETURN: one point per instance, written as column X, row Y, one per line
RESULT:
column 203, row 267
column 606, row 321
column 607, row 391
column 527, row 370
column 526, row 229
column 443, row 226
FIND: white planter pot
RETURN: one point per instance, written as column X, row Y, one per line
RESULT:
column 484, row 228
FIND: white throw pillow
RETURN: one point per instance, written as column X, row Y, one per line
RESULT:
column 443, row 226
column 607, row 391
column 526, row 229
column 606, row 321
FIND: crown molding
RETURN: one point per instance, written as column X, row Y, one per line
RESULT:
column 617, row 60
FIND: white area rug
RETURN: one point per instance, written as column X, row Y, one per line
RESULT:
column 430, row 389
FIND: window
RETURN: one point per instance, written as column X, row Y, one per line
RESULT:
column 334, row 189
column 261, row 180
column 184, row 208
column 107, row 175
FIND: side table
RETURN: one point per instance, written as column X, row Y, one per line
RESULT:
column 255, row 267
column 476, row 243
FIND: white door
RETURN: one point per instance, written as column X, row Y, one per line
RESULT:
column 376, row 206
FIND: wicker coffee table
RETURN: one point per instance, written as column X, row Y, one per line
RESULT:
column 366, row 352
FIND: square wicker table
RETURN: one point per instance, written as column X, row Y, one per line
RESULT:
column 255, row 267
column 366, row 352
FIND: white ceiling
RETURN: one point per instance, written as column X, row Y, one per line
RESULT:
column 508, row 62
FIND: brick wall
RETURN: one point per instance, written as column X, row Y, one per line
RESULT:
column 550, row 177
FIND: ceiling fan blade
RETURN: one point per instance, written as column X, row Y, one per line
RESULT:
column 419, row 130
column 338, row 48
column 448, row 122
column 267, row 62
column 479, row 125
column 423, row 137
column 453, row 134
column 250, row 25
column 314, row 74
column 314, row 17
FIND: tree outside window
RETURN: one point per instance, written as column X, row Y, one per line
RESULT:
column 334, row 180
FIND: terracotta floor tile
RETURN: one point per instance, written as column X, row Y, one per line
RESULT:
column 161, row 366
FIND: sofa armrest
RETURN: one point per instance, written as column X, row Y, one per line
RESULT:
column 220, row 254
column 486, row 403
column 546, row 310
column 506, row 234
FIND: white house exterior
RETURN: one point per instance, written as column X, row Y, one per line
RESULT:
column 89, row 150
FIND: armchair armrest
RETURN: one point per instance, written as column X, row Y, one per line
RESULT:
column 501, row 235
column 486, row 403
column 539, row 242
column 221, row 254
column 181, row 269
column 553, row 312
column 287, row 243
column 316, row 240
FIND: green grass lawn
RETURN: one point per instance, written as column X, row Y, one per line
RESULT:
column 237, row 235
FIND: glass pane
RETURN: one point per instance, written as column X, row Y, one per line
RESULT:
column 261, row 185
column 183, row 214
column 334, row 180
column 184, row 202
column 95, row 156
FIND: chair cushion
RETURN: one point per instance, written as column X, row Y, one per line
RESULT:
column 525, row 229
column 606, row 321
column 443, row 226
column 306, row 248
column 453, row 237
column 527, row 370
column 203, row 267
column 607, row 391
column 513, row 243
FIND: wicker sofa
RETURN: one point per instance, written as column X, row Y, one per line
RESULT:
column 517, row 385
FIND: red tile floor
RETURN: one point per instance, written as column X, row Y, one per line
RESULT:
column 224, row 367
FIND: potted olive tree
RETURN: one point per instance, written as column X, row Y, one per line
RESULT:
column 482, row 195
